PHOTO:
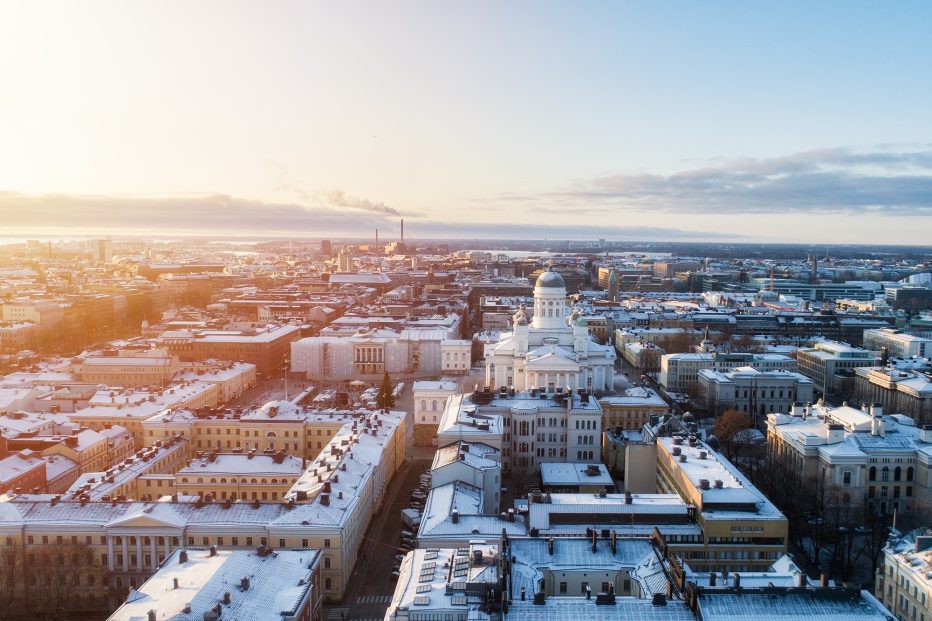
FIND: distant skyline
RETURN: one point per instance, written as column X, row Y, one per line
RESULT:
column 680, row 121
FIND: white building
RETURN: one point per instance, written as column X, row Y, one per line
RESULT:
column 680, row 372
column 429, row 400
column 748, row 390
column 551, row 350
column 429, row 350
column 529, row 428
column 897, row 343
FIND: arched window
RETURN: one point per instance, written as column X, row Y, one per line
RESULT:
column 271, row 434
column 253, row 481
column 273, row 481
column 214, row 480
column 423, row 404
column 433, row 405
column 264, row 481
column 909, row 473
column 872, row 474
column 885, row 474
column 897, row 473
column 200, row 480
column 223, row 480
column 184, row 479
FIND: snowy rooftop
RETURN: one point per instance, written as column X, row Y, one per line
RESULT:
column 778, row 604
column 237, row 463
column 575, row 474
column 729, row 495
column 637, row 395
column 343, row 467
column 279, row 585
column 474, row 454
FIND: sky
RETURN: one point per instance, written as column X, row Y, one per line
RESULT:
column 706, row 121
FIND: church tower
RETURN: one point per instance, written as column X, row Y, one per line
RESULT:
column 549, row 301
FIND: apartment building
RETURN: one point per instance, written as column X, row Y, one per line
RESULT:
column 266, row 347
column 904, row 577
column 429, row 400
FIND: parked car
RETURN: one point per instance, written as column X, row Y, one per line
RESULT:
column 394, row 576
column 407, row 533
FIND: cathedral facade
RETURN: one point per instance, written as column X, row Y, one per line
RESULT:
column 550, row 350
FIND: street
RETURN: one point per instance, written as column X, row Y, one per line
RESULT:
column 370, row 589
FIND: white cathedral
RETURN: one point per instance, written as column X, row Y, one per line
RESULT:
column 551, row 350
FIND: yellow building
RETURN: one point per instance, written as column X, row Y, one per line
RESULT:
column 88, row 448
column 239, row 476
column 127, row 368
column 631, row 409
column 742, row 530
column 120, row 544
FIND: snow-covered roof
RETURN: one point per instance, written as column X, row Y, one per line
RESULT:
column 279, row 586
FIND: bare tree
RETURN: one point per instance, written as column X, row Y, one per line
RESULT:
column 728, row 429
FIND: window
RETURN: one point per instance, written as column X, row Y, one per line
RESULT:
column 563, row 587
column 326, row 562
column 326, row 543
column 846, row 478
column 872, row 474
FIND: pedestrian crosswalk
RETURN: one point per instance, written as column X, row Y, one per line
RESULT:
column 337, row 614
column 373, row 599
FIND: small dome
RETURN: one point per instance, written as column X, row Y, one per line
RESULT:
column 550, row 279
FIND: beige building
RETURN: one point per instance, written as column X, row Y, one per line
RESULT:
column 429, row 400
column 741, row 529
column 153, row 368
column 329, row 509
column 885, row 461
column 239, row 476
column 631, row 409
column 904, row 578
column 88, row 448
column 131, row 408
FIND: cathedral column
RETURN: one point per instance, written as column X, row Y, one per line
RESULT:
column 110, row 552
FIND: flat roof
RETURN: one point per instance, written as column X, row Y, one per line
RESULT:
column 279, row 585
column 575, row 474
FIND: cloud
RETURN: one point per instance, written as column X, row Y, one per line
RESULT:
column 201, row 215
column 884, row 182
column 220, row 215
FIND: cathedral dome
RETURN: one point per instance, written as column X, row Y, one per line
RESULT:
column 550, row 279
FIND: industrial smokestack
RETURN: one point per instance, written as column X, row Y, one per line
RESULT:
column 402, row 230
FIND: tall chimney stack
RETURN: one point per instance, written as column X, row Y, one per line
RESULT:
column 402, row 230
